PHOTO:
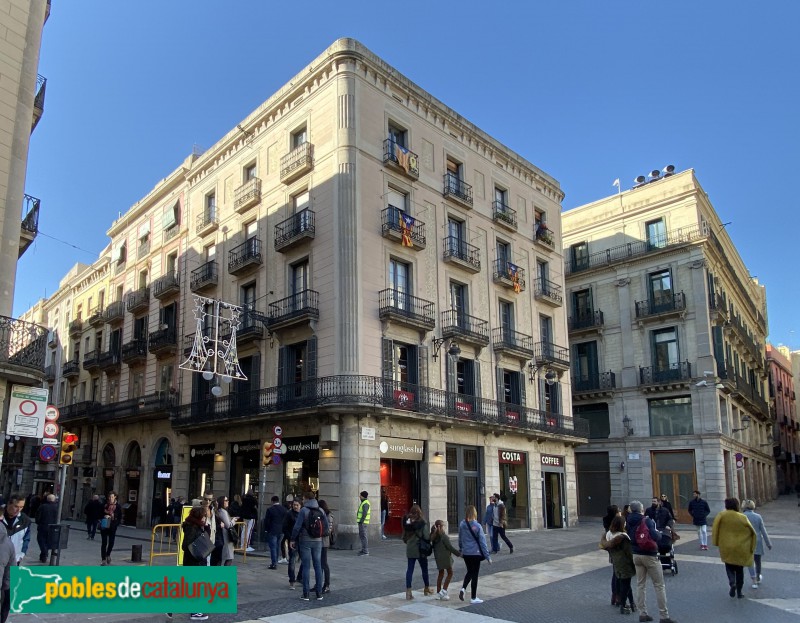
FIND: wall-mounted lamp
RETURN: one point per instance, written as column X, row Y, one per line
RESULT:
column 622, row 466
column 550, row 376
column 454, row 350
column 745, row 424
column 437, row 454
column 627, row 424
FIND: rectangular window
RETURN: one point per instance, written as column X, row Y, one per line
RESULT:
column 406, row 366
column 458, row 297
column 510, row 390
column 397, row 199
column 545, row 328
column 300, row 201
column 143, row 279
column 585, row 366
column 506, row 317
column 211, row 206
column 579, row 256
column 113, row 390
column 400, row 281
column 671, row 416
column 299, row 277
column 665, row 349
column 137, row 384
column 299, row 137
column 501, row 197
column 656, row 232
column 101, row 299
column 172, row 264
column 503, row 250
column 582, row 305
column 543, row 272
column 465, row 377
column 660, row 288
column 166, row 377
column 140, row 328
column 120, row 290
column 98, row 340
column 168, row 316
column 249, row 172
column 210, row 252
column 398, row 136
column 251, row 230
column 454, row 168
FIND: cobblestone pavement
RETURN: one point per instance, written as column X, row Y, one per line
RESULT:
column 555, row 576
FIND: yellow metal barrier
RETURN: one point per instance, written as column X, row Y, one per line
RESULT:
column 244, row 540
column 162, row 539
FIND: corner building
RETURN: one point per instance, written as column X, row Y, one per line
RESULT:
column 404, row 323
column 667, row 334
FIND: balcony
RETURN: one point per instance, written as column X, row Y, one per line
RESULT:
column 457, row 190
column 75, row 328
column 401, row 159
column 163, row 342
column 22, row 344
column 50, row 373
column 205, row 223
column 638, row 248
column 251, row 327
column 662, row 306
column 71, row 369
column 543, row 237
column 245, row 257
column 671, row 376
column 171, row 232
column 138, row 300
column 144, row 249
column 29, row 227
column 461, row 253
column 465, row 328
column 115, row 312
column 91, row 360
column 508, row 341
column 294, row 230
column 401, row 227
column 585, row 321
column 548, row 292
column 135, row 351
column 297, row 163
column 504, row 216
column 748, row 393
column 294, row 310
column 96, row 318
column 153, row 406
column 38, row 100
column 110, row 362
column 247, row 195
column 549, row 354
column 509, row 275
column 166, row 286
column 76, row 412
column 204, row 276
column 405, row 309
column 596, row 385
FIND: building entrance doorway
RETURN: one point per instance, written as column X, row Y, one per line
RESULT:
column 555, row 510
column 674, row 475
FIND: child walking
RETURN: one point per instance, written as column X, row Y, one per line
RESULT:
column 442, row 550
column 617, row 542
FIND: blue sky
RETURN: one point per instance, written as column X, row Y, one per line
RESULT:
column 588, row 91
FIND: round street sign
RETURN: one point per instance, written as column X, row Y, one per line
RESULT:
column 47, row 453
column 50, row 429
column 276, row 459
column 277, row 442
column 51, row 413
column 277, row 430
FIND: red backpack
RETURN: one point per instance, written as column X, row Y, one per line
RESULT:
column 643, row 539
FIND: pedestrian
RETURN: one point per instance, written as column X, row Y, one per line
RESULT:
column 224, row 524
column 112, row 517
column 699, row 510
column 736, row 539
column 7, row 560
column 18, row 526
column 472, row 544
column 666, row 504
column 249, row 514
column 214, row 558
column 652, row 510
column 443, row 552
column 46, row 517
column 362, row 517
column 327, row 540
column 415, row 529
column 611, row 512
column 488, row 517
column 293, row 554
column 236, row 506
column 93, row 511
column 647, row 565
column 499, row 526
column 194, row 526
column 273, row 529
column 284, row 560
column 309, row 544
column 618, row 544
column 761, row 532
column 384, row 512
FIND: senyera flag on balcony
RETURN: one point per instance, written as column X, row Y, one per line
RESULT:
column 406, row 223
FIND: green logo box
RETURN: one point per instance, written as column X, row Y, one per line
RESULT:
column 123, row 589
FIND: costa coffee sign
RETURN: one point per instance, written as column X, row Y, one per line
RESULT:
column 551, row 460
column 511, row 457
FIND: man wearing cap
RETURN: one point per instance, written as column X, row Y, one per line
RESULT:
column 362, row 517
column 699, row 510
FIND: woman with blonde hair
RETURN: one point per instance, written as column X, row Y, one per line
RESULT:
column 762, row 537
column 472, row 543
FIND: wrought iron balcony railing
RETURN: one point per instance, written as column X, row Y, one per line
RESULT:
column 144, row 407
column 30, row 208
column 38, row 100
column 71, row 369
column 509, row 275
column 548, row 291
column 206, row 221
column 297, row 162
column 636, row 248
column 91, row 360
column 457, row 189
column 163, row 340
column 138, row 299
column 22, row 344
column 244, row 256
column 96, row 317
column 586, row 319
column 402, row 307
column 75, row 327
column 135, row 350
column 659, row 375
column 544, row 236
column 665, row 303
column 505, row 339
column 295, row 229
column 398, row 225
column 299, row 307
column 50, row 372
column 110, row 361
column 462, row 252
column 547, row 353
column 369, row 392
column 504, row 215
column 597, row 382
column 204, row 276
column 247, row 195
column 468, row 328
column 171, row 232
column 404, row 159
column 115, row 311
column 166, row 285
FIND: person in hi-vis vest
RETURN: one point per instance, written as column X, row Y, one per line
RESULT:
column 362, row 516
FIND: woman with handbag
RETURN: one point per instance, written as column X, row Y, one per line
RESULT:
column 418, row 547
column 226, row 523
column 112, row 517
column 472, row 544
column 197, row 544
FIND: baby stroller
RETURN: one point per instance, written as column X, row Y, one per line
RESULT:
column 666, row 551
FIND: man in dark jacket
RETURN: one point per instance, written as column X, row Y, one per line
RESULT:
column 647, row 565
column 249, row 515
column 273, row 528
column 46, row 517
column 7, row 557
column 288, row 525
column 699, row 510
column 93, row 511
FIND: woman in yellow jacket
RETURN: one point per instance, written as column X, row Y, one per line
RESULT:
column 736, row 540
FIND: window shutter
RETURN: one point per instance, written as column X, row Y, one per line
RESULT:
column 255, row 372
column 541, row 395
column 422, row 357
column 498, row 375
column 283, row 377
column 521, row 382
column 413, row 365
column 311, row 355
column 476, row 366
column 388, row 359
column 555, row 397
column 450, row 374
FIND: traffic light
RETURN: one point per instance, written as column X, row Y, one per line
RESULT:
column 69, row 442
column 266, row 454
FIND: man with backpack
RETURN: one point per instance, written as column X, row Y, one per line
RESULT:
column 644, row 538
column 309, row 528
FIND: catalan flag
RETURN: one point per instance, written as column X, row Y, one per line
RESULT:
column 513, row 272
column 403, row 157
column 406, row 222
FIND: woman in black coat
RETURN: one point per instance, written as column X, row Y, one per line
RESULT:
column 194, row 525
column 112, row 515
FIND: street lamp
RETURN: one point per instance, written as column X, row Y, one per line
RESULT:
column 627, row 424
column 745, row 424
column 454, row 350
column 550, row 375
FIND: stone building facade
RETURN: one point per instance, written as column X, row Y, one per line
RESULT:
column 786, row 430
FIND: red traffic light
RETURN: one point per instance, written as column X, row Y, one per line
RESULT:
column 70, row 438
